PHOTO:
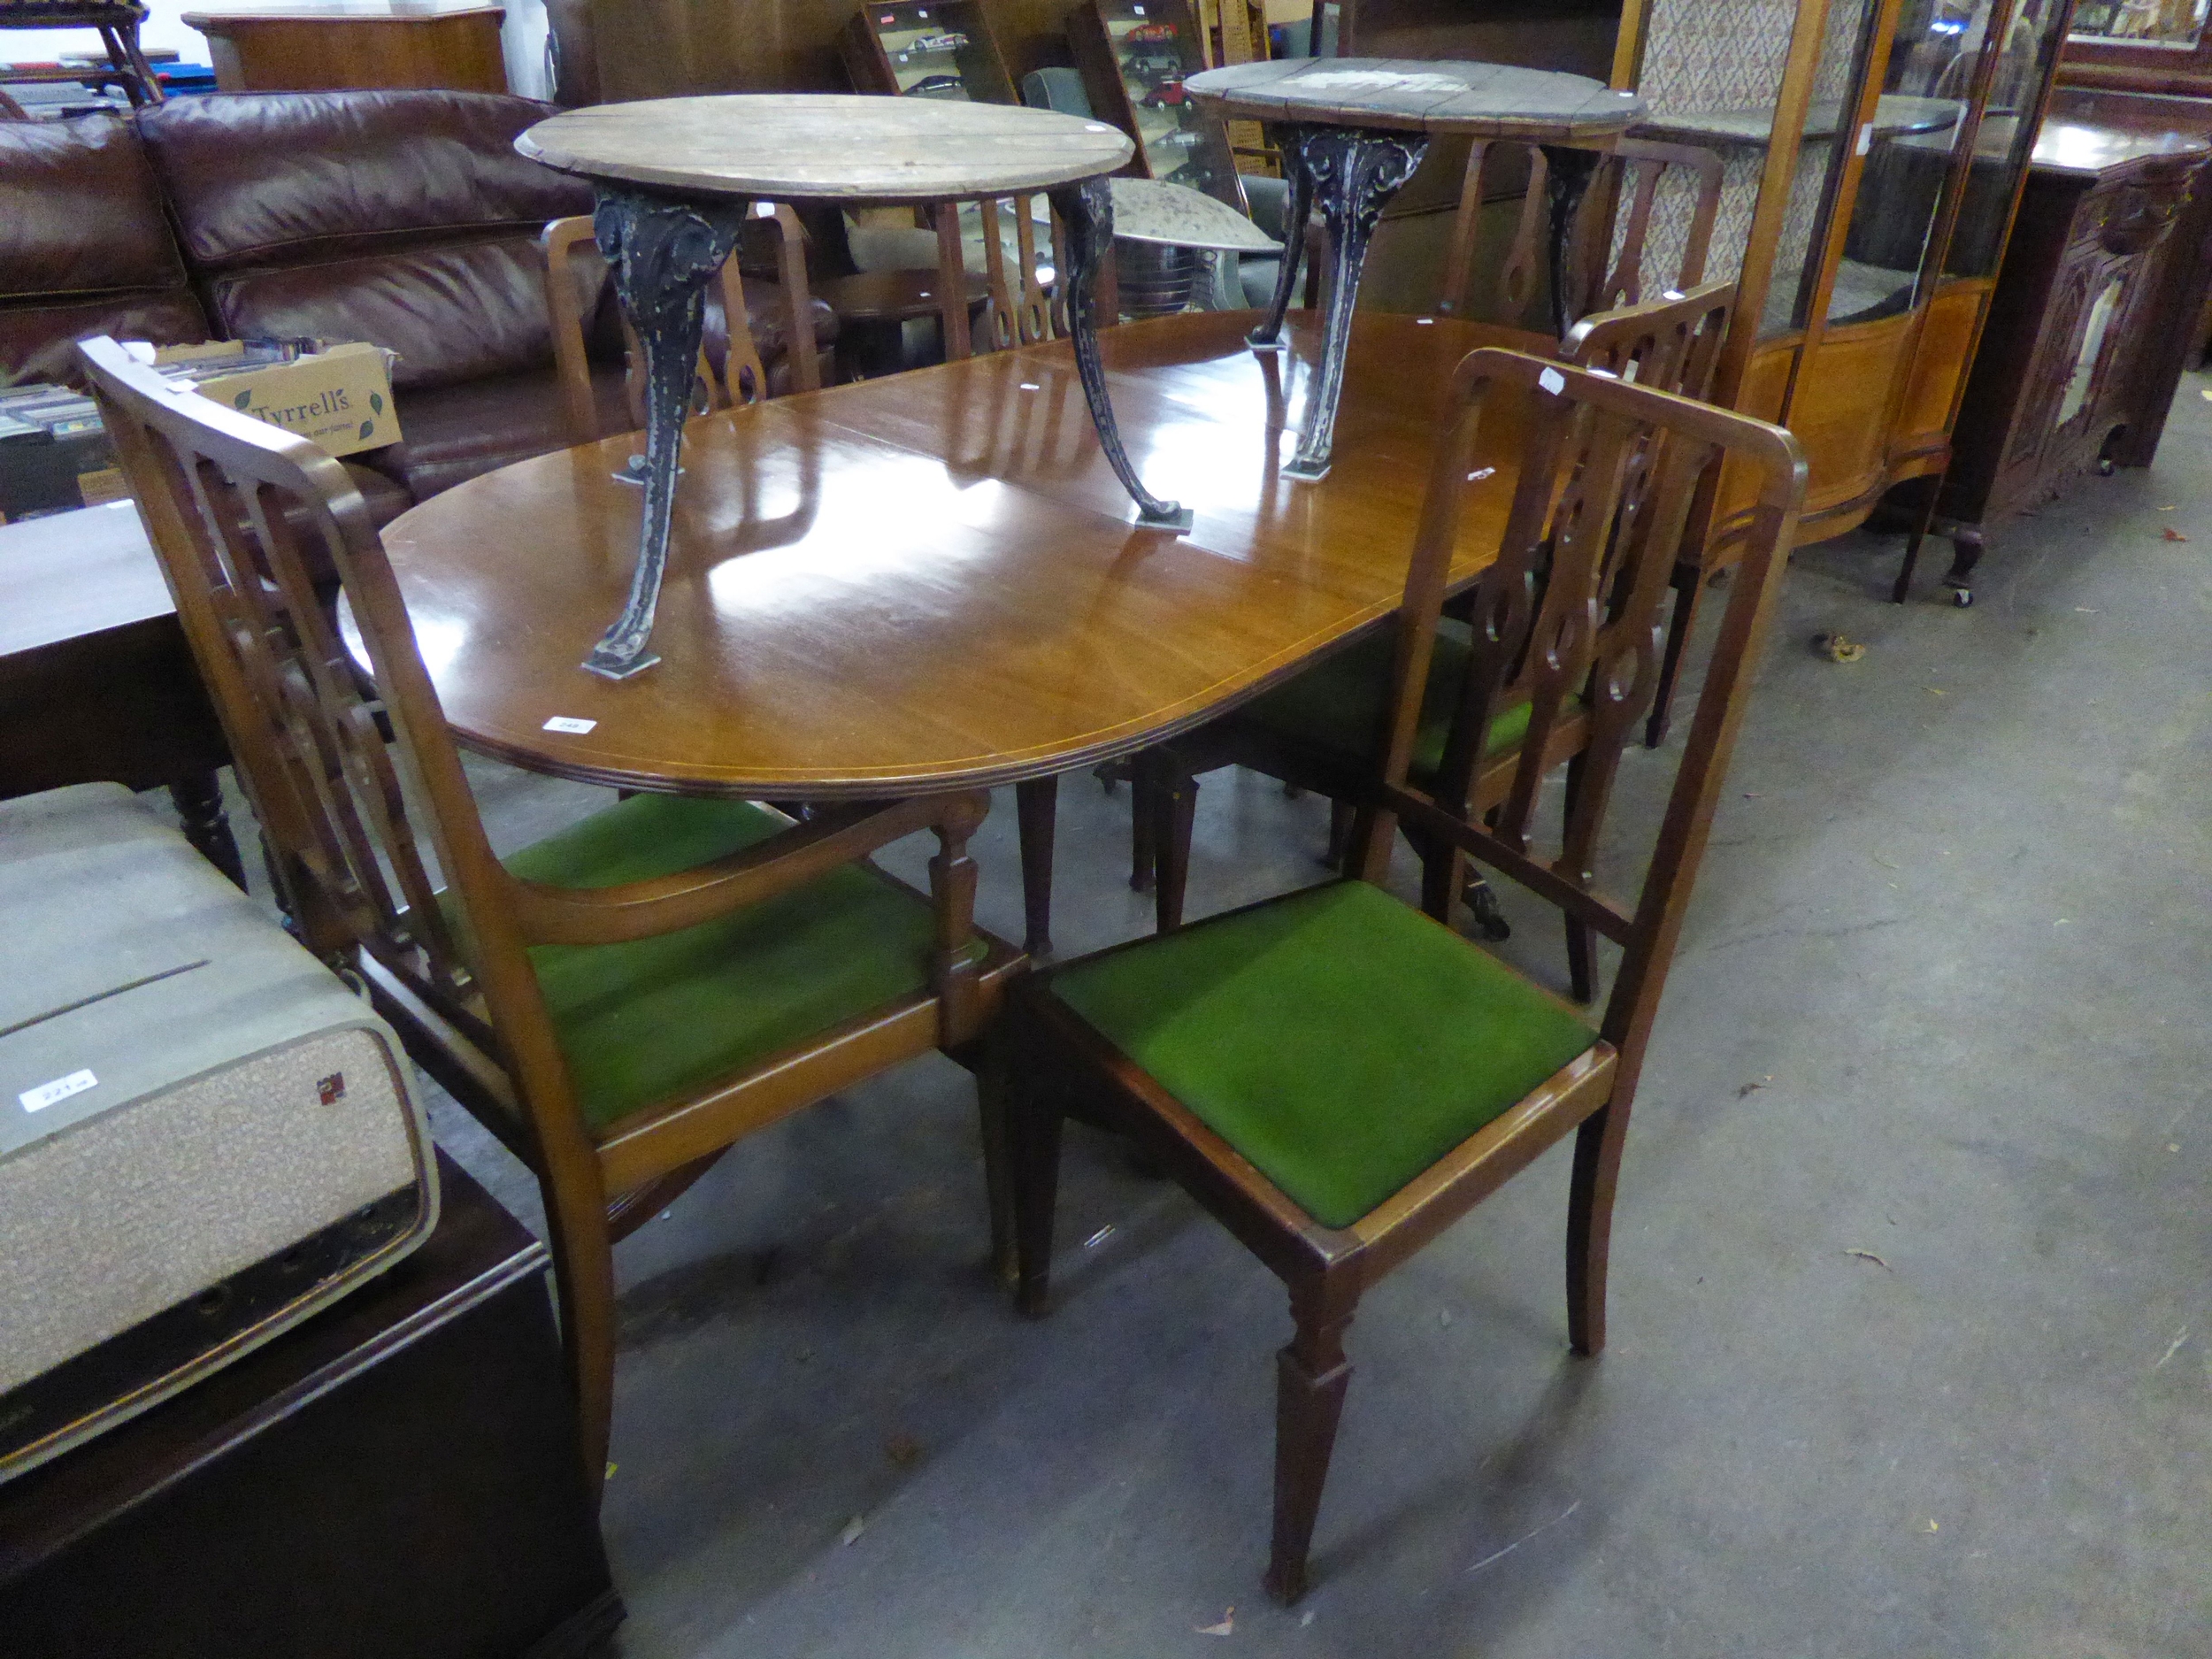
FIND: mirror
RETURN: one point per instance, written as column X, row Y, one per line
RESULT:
column 2176, row 23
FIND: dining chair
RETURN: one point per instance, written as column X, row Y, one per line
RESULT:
column 1332, row 1074
column 742, row 379
column 1644, row 226
column 619, row 1003
column 1322, row 730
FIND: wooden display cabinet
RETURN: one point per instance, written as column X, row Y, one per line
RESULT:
column 2074, row 327
column 940, row 50
column 1875, row 150
column 1135, row 56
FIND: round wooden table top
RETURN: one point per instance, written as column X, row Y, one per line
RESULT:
column 826, row 146
column 1389, row 94
column 931, row 581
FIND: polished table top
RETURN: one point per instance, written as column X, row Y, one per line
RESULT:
column 930, row 580
column 827, row 147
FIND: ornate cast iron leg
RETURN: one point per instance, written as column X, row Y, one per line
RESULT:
column 665, row 253
column 1354, row 174
column 1088, row 211
column 1569, row 173
column 1297, row 209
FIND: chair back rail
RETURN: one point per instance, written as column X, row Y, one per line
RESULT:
column 743, row 380
column 1568, row 616
column 1610, row 243
column 227, row 498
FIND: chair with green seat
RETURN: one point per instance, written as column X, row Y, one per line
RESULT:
column 1322, row 729
column 1334, row 1074
column 619, row 1003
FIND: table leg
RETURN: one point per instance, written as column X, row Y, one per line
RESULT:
column 1297, row 209
column 1354, row 174
column 1569, row 173
column 663, row 253
column 205, row 822
column 1088, row 211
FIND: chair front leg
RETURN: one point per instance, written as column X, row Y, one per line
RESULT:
column 1032, row 1131
column 1037, row 805
column 1311, row 1375
column 1590, row 1223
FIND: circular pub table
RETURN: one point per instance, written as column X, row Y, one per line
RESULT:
column 677, row 177
column 1351, row 131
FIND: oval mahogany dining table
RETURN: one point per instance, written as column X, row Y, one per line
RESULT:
column 930, row 581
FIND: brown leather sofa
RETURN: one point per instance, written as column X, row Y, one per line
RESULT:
column 404, row 218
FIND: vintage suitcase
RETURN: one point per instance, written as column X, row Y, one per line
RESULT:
column 204, row 1135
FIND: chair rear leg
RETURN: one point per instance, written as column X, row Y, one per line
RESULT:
column 1341, row 816
column 1311, row 1375
column 1590, row 1224
column 1032, row 1126
column 1689, row 588
column 1037, row 806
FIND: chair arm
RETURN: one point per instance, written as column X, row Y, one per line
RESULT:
column 547, row 915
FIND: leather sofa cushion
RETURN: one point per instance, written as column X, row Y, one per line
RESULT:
column 82, row 212
column 301, row 177
column 453, row 433
column 38, row 342
column 457, row 313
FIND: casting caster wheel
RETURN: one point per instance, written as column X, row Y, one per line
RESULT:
column 2104, row 466
column 1961, row 598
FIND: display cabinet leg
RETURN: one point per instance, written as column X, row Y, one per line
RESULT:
column 1922, row 520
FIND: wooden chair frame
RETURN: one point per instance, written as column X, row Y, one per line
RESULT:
column 1672, row 344
column 1611, row 472
column 1608, row 243
column 334, row 797
column 743, row 380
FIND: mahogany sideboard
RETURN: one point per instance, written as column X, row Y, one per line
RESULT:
column 2080, row 357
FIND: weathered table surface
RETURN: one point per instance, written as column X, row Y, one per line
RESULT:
column 807, row 147
column 1403, row 95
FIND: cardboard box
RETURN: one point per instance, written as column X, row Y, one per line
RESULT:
column 340, row 398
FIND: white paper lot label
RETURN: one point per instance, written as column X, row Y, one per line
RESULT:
column 37, row 1100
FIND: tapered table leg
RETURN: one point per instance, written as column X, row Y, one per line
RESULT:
column 663, row 253
column 1354, row 174
column 1086, row 209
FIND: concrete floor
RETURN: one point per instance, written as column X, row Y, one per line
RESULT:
column 1912, row 1300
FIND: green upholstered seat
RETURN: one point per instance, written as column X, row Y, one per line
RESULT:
column 1339, row 703
column 1339, row 1040
column 641, row 1021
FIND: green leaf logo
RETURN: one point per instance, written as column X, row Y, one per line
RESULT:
column 367, row 426
column 376, row 401
column 242, row 400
